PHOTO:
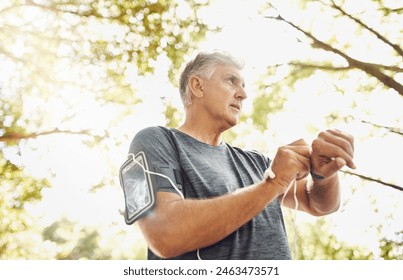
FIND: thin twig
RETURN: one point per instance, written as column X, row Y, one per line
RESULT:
column 374, row 180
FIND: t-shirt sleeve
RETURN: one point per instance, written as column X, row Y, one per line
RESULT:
column 262, row 160
column 161, row 156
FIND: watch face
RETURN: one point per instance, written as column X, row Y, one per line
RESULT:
column 137, row 188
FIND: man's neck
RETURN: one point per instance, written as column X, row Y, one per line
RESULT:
column 202, row 129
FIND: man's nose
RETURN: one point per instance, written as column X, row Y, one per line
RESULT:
column 241, row 93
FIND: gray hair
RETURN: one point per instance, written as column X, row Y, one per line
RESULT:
column 204, row 65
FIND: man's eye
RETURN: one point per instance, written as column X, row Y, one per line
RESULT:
column 231, row 80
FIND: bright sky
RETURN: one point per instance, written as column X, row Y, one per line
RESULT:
column 259, row 42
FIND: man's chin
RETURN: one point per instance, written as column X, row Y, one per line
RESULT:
column 232, row 122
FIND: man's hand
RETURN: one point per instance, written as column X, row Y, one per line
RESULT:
column 291, row 162
column 332, row 150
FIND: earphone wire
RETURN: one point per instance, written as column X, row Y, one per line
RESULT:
column 157, row 174
column 293, row 184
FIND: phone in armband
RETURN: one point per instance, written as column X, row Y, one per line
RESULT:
column 139, row 193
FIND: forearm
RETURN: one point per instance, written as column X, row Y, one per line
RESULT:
column 323, row 195
column 180, row 226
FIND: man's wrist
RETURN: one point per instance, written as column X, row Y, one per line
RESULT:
column 269, row 174
column 317, row 176
column 325, row 182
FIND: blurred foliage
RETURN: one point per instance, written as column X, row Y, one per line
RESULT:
column 392, row 249
column 316, row 242
column 72, row 241
column 17, row 189
column 143, row 30
column 173, row 116
column 58, row 54
column 73, row 244
column 10, row 113
column 99, row 50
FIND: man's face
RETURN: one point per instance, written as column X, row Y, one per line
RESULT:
column 223, row 95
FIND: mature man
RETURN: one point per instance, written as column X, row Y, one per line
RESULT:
column 228, row 209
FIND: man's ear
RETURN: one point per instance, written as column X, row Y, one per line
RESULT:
column 196, row 86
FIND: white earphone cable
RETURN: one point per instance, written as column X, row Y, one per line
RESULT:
column 158, row 174
column 270, row 174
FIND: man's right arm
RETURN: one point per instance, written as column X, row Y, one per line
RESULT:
column 177, row 226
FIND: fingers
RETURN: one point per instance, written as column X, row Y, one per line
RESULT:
column 340, row 139
column 302, row 155
column 344, row 135
column 334, row 144
column 305, row 164
column 332, row 166
column 304, row 151
column 330, row 151
column 301, row 147
column 292, row 162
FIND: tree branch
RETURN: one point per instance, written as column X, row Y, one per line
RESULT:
column 374, row 180
column 12, row 137
column 343, row 68
column 396, row 47
column 42, row 6
column 391, row 129
column 50, row 37
column 10, row 8
column 388, row 11
column 11, row 56
column 369, row 68
column 321, row 67
column 387, row 67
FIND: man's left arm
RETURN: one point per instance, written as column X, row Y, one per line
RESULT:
column 331, row 150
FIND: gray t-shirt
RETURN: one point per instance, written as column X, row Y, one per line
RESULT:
column 209, row 171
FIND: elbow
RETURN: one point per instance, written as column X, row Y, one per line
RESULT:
column 162, row 242
column 326, row 210
column 164, row 248
column 163, row 253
